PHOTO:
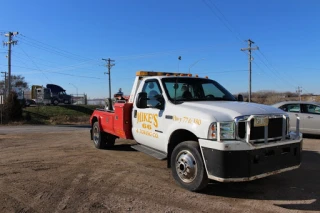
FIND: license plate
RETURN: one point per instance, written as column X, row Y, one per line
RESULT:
column 260, row 121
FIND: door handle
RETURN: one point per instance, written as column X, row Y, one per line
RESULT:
column 310, row 117
column 297, row 115
column 135, row 113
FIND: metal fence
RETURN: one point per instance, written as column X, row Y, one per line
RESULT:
column 79, row 99
column 97, row 101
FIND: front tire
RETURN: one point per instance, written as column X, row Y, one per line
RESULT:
column 102, row 140
column 188, row 167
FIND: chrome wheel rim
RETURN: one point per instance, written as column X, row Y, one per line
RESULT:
column 186, row 166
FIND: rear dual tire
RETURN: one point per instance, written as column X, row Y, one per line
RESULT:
column 102, row 140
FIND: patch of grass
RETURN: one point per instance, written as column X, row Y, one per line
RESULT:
column 61, row 114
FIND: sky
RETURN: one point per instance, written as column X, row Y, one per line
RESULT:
column 64, row 41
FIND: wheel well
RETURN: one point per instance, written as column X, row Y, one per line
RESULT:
column 94, row 119
column 177, row 137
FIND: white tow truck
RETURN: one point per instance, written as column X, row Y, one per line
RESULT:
column 202, row 130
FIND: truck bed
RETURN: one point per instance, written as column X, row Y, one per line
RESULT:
column 116, row 122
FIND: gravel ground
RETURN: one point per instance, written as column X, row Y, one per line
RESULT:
column 61, row 171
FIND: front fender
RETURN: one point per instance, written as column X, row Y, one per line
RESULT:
column 200, row 131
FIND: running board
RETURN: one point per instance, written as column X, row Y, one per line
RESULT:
column 150, row 151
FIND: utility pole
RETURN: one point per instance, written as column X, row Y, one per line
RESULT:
column 299, row 91
column 109, row 65
column 250, row 59
column 5, row 81
column 9, row 43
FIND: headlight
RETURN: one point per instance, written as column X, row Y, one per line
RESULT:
column 227, row 130
column 288, row 125
column 222, row 131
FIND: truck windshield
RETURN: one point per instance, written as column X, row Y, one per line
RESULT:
column 195, row 89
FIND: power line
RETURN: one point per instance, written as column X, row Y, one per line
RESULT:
column 226, row 71
column 222, row 21
column 18, row 58
column 37, row 58
column 266, row 74
column 49, row 50
column 271, row 68
column 129, row 57
column 308, row 68
column 54, row 72
column 57, row 52
column 279, row 72
column 276, row 72
column 55, row 49
column 169, row 52
column 68, row 67
column 227, row 24
column 273, row 78
column 36, row 65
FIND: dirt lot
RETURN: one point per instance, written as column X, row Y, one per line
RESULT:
column 61, row 171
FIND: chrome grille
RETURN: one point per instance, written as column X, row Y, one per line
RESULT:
column 276, row 129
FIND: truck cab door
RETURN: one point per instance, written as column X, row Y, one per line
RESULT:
column 147, row 123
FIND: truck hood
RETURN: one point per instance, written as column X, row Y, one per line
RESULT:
column 223, row 110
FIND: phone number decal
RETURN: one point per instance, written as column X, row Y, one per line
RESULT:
column 186, row 119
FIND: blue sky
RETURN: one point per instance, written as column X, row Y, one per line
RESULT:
column 63, row 42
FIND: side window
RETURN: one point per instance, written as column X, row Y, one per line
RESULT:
column 180, row 90
column 153, row 90
column 310, row 108
column 293, row 108
column 284, row 108
column 210, row 89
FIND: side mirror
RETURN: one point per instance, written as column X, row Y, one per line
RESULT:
column 142, row 100
column 161, row 101
column 240, row 98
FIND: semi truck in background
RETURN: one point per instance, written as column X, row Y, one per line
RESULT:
column 59, row 95
column 51, row 94
column 41, row 95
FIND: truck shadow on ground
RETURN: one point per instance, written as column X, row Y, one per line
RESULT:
column 296, row 190
column 122, row 148
column 123, row 145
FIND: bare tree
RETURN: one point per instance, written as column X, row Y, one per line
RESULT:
column 16, row 81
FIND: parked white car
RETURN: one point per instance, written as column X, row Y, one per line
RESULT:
column 309, row 113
